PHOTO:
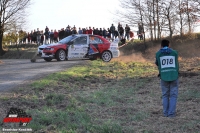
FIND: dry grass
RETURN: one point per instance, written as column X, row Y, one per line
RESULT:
column 109, row 97
column 121, row 96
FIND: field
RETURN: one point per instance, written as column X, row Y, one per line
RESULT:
column 122, row 96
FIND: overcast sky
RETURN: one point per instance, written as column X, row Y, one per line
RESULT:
column 57, row 14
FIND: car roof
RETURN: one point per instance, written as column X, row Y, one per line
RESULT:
column 78, row 35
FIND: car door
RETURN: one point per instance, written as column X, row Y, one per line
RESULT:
column 95, row 44
column 78, row 48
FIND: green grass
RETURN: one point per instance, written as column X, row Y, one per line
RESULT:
column 189, row 95
column 100, row 97
column 53, row 98
column 107, row 83
column 59, row 120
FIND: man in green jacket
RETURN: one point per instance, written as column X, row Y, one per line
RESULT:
column 168, row 66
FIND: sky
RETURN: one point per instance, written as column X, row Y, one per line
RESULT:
column 57, row 14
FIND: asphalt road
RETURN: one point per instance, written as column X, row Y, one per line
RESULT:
column 16, row 72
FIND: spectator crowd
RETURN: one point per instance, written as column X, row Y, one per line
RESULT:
column 50, row 36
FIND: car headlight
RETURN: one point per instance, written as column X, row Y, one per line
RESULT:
column 49, row 49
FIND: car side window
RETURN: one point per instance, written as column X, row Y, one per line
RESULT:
column 80, row 40
column 95, row 40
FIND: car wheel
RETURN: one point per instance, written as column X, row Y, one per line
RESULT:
column 47, row 59
column 106, row 56
column 61, row 55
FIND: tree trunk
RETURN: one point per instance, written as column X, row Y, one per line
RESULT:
column 2, row 52
column 151, row 31
column 154, row 21
column 169, row 23
column 181, row 19
column 158, row 24
column 150, row 20
column 188, row 18
column 141, row 20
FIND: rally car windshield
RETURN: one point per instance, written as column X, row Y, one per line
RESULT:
column 66, row 39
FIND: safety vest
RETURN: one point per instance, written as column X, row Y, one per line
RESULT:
column 168, row 65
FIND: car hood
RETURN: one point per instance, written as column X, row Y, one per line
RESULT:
column 49, row 45
column 43, row 46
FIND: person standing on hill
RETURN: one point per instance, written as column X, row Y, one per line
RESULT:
column 100, row 32
column 35, row 36
column 80, row 31
column 42, row 37
column 62, row 34
column 46, row 34
column 74, row 31
column 68, row 32
column 51, row 34
column 112, row 29
column 168, row 66
column 116, row 33
column 90, row 31
column 86, row 31
column 104, row 33
column 96, row 32
column 55, row 36
column 127, row 32
column 121, row 32
column 93, row 30
column 29, row 37
column 109, row 33
column 38, row 36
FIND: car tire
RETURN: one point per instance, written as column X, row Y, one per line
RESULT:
column 47, row 59
column 106, row 56
column 60, row 55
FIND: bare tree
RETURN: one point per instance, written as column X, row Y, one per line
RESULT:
column 168, row 11
column 161, row 16
column 154, row 19
column 180, row 12
column 12, row 14
column 158, row 18
column 134, row 14
column 148, row 14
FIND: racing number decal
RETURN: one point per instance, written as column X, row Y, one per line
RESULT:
column 167, row 61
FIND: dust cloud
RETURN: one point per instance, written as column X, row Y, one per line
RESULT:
column 137, row 57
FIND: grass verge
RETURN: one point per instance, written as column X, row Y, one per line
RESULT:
column 101, row 97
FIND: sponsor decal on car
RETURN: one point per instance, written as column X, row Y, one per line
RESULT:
column 74, row 53
column 93, row 50
column 77, row 57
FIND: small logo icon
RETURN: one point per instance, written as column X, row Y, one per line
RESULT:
column 16, row 115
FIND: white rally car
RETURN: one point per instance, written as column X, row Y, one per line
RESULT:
column 80, row 46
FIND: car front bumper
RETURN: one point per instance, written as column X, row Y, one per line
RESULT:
column 44, row 55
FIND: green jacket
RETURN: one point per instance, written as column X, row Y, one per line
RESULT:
column 167, row 62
